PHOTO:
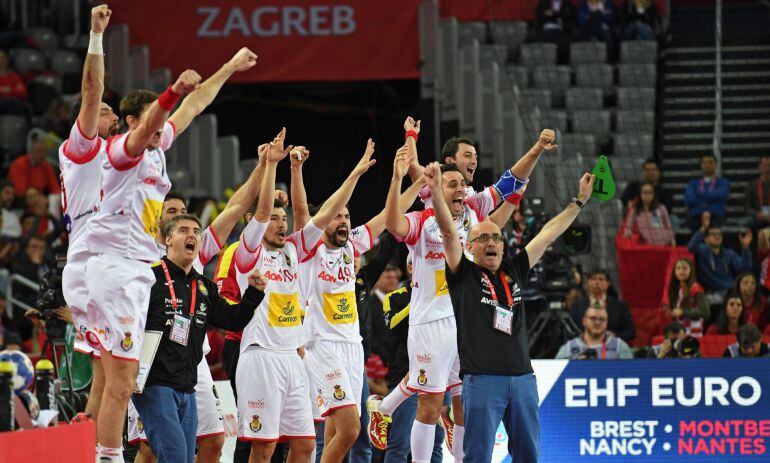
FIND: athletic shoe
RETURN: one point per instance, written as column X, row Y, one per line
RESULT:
column 379, row 424
column 445, row 419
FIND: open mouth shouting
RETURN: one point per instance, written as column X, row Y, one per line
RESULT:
column 342, row 234
column 189, row 246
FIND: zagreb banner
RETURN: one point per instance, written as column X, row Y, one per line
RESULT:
column 303, row 40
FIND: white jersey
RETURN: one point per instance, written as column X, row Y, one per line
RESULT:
column 133, row 190
column 430, row 296
column 329, row 283
column 428, row 201
column 80, row 162
column 277, row 322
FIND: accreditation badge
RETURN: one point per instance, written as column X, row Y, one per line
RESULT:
column 503, row 320
column 180, row 330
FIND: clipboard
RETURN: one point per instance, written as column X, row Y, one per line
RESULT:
column 146, row 357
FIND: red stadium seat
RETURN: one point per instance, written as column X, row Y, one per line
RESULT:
column 657, row 339
column 713, row 345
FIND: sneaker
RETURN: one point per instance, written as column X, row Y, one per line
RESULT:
column 379, row 424
column 448, row 424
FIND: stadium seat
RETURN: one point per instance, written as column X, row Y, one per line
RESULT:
column 13, row 131
column 596, row 123
column 514, row 74
column 140, row 66
column 554, row 78
column 160, row 79
column 51, row 80
column 472, row 30
column 66, row 62
column 714, row 345
column 46, row 39
column 636, row 98
column 577, row 143
column 41, row 92
column 642, row 51
column 588, row 53
column 555, row 119
column 635, row 121
column 537, row 54
column 27, row 60
column 595, row 75
column 637, row 75
column 532, row 98
column 512, row 34
column 584, row 98
column 638, row 146
column 492, row 53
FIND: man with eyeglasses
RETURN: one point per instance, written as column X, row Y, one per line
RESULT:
column 497, row 377
column 595, row 342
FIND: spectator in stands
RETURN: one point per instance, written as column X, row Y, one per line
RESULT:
column 649, row 219
column 57, row 118
column 555, row 23
column 517, row 235
column 763, row 258
column 45, row 223
column 11, row 226
column 595, row 342
column 672, row 332
column 755, row 310
column 651, row 174
column 596, row 21
column 11, row 85
column 31, row 265
column 685, row 301
column 749, row 344
column 12, row 341
column 620, row 323
column 32, row 170
column 716, row 266
column 757, row 197
column 707, row 194
column 639, row 20
column 730, row 318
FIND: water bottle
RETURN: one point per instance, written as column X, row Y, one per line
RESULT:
column 44, row 387
column 7, row 370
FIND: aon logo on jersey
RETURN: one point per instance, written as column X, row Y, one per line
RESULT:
column 284, row 310
column 340, row 308
column 441, row 287
column 150, row 215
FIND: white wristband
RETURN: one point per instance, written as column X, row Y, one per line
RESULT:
column 95, row 44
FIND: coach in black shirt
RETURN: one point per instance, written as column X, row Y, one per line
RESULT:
column 498, row 383
column 182, row 304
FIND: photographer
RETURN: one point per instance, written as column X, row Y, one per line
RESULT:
column 672, row 333
column 31, row 265
column 749, row 344
column 595, row 342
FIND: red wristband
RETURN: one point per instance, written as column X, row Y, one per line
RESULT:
column 168, row 99
column 411, row 133
column 515, row 198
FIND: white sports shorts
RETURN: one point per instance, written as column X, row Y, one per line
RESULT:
column 273, row 401
column 207, row 400
column 136, row 432
column 118, row 298
column 76, row 296
column 336, row 372
column 434, row 364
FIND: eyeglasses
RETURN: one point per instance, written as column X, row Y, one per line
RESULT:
column 597, row 319
column 485, row 237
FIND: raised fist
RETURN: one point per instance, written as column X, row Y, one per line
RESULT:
column 100, row 17
column 298, row 156
column 410, row 124
column 243, row 60
column 547, row 136
column 257, row 280
column 186, row 82
column 432, row 175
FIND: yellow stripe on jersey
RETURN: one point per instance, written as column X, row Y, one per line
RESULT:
column 226, row 260
column 398, row 317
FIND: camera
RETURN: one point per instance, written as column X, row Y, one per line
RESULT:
column 51, row 298
column 588, row 354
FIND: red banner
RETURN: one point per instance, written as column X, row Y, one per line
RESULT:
column 74, row 443
column 305, row 40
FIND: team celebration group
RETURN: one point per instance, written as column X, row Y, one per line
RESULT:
column 288, row 299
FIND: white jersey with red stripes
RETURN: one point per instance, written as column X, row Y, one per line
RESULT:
column 133, row 189
column 329, row 280
column 430, row 296
column 80, row 163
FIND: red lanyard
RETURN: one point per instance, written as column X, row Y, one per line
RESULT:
column 505, row 286
column 170, row 283
column 711, row 184
column 604, row 346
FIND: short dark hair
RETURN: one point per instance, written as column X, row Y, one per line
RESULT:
column 175, row 194
column 651, row 161
column 134, row 103
column 599, row 271
column 450, row 168
column 276, row 203
column 748, row 334
column 712, row 227
column 673, row 328
column 172, row 224
column 707, row 155
column 449, row 150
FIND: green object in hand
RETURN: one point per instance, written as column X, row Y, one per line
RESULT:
column 604, row 187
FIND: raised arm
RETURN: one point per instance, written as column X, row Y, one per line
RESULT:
column 341, row 197
column 299, row 204
column 513, row 179
column 453, row 250
column 412, row 130
column 92, row 86
column 199, row 100
column 503, row 213
column 137, row 139
column 377, row 224
column 395, row 222
column 559, row 224
column 275, row 153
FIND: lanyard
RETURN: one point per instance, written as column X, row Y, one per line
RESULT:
column 170, row 283
column 711, row 184
column 604, row 346
column 505, row 286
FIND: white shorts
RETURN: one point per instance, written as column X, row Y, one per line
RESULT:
column 136, row 432
column 76, row 295
column 337, row 374
column 315, row 394
column 434, row 364
column 273, row 401
column 207, row 400
column 118, row 298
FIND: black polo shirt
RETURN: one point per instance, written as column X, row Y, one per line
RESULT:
column 395, row 309
column 175, row 365
column 483, row 349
